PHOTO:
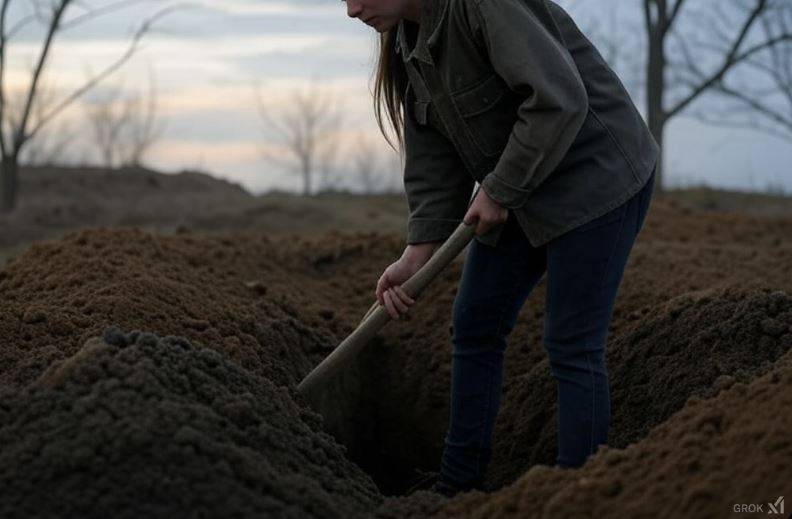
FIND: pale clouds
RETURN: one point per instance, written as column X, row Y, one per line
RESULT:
column 208, row 60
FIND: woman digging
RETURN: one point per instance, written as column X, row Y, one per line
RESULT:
column 512, row 95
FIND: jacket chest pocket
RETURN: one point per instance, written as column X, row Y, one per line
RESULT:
column 420, row 106
column 489, row 111
column 421, row 111
column 425, row 112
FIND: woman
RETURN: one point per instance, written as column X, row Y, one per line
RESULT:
column 512, row 95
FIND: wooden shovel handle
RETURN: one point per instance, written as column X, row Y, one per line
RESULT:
column 377, row 316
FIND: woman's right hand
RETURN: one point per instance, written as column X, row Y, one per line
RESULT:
column 389, row 291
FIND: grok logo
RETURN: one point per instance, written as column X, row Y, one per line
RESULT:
column 776, row 507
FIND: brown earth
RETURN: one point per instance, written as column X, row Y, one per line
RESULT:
column 139, row 426
column 698, row 355
column 55, row 200
column 733, row 448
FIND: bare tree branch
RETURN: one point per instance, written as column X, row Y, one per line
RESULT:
column 107, row 122
column 144, row 128
column 752, row 98
column 124, row 129
column 144, row 28
column 753, row 124
column 3, row 47
column 674, row 13
column 13, row 137
column 19, row 26
column 51, row 144
column 370, row 164
column 677, row 61
column 57, row 14
column 306, row 127
column 96, row 12
column 733, row 56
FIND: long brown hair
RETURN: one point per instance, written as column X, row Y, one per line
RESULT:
column 390, row 83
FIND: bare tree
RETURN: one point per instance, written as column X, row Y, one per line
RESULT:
column 365, row 164
column 756, row 103
column 124, row 128
column 306, row 127
column 375, row 170
column 108, row 116
column 51, row 144
column 146, row 127
column 15, row 135
column 394, row 167
column 617, row 36
column 328, row 162
column 676, row 76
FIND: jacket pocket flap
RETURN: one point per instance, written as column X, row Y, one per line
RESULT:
column 421, row 111
column 481, row 97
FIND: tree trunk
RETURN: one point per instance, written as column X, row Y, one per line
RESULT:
column 657, row 127
column 9, row 169
column 655, row 73
column 306, row 174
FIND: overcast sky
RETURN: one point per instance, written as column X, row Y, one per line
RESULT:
column 211, row 57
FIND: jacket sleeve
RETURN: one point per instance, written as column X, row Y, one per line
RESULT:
column 532, row 62
column 437, row 185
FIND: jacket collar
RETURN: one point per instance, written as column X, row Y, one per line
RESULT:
column 433, row 13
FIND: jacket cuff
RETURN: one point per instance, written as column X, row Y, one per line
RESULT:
column 421, row 230
column 507, row 195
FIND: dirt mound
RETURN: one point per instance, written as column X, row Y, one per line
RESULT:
column 268, row 305
column 229, row 293
column 682, row 255
column 704, row 308
column 714, row 454
column 136, row 425
column 55, row 199
column 694, row 345
column 411, row 364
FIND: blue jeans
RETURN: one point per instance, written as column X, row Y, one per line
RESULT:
column 584, row 269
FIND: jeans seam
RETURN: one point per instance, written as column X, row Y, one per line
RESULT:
column 593, row 400
column 480, row 443
column 588, row 322
column 480, row 449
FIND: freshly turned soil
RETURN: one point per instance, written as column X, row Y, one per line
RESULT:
column 715, row 453
column 141, row 426
column 187, row 407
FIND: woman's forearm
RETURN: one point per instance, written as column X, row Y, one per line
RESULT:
column 419, row 253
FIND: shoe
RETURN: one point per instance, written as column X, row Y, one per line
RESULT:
column 433, row 482
column 423, row 480
column 444, row 488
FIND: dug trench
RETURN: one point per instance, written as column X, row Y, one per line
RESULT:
column 189, row 401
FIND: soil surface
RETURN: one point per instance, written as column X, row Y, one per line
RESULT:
column 141, row 426
column 154, row 374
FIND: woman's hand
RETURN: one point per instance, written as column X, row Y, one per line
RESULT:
column 389, row 291
column 486, row 211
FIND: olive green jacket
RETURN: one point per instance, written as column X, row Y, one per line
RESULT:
column 512, row 95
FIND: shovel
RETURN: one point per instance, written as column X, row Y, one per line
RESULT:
column 377, row 316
